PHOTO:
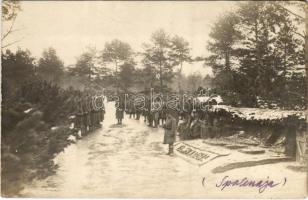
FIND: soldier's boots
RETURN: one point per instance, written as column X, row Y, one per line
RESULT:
column 170, row 153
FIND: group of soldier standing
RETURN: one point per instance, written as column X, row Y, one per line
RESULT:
column 153, row 115
column 153, row 118
column 91, row 110
column 90, row 113
column 188, row 111
column 134, row 109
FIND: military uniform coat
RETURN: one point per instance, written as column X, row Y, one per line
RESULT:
column 119, row 113
column 170, row 131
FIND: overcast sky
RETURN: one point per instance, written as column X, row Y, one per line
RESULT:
column 70, row 27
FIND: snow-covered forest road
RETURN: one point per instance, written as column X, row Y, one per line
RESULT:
column 130, row 161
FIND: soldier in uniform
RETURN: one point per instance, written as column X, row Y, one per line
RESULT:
column 138, row 108
column 144, row 113
column 78, row 124
column 120, row 113
column 138, row 113
column 156, row 118
column 150, row 115
column 97, row 111
column 162, row 114
column 87, row 119
column 98, row 103
column 195, row 126
column 84, row 115
column 170, row 131
column 89, row 112
column 102, row 111
column 93, row 122
column 130, row 110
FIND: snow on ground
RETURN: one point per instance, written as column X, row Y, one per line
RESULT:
column 28, row 110
column 217, row 98
column 258, row 113
column 130, row 161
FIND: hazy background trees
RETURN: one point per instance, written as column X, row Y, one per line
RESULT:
column 256, row 54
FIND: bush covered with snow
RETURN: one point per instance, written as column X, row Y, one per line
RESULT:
column 258, row 114
column 29, row 141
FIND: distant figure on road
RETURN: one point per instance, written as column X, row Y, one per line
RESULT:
column 170, row 131
column 119, row 114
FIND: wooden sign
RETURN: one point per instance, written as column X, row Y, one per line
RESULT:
column 193, row 154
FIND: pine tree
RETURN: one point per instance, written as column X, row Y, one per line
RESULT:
column 179, row 54
column 157, row 56
column 50, row 66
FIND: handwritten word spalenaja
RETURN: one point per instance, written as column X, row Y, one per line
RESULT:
column 261, row 185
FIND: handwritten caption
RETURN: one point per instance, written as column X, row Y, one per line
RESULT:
column 261, row 184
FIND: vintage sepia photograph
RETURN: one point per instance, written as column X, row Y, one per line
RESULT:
column 154, row 99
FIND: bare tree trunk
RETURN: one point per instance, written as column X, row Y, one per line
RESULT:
column 258, row 83
column 160, row 77
column 116, row 77
column 180, row 78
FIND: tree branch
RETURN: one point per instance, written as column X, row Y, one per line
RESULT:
column 10, row 29
column 9, row 44
column 289, row 11
column 299, row 34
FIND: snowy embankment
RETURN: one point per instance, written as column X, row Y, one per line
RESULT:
column 258, row 113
